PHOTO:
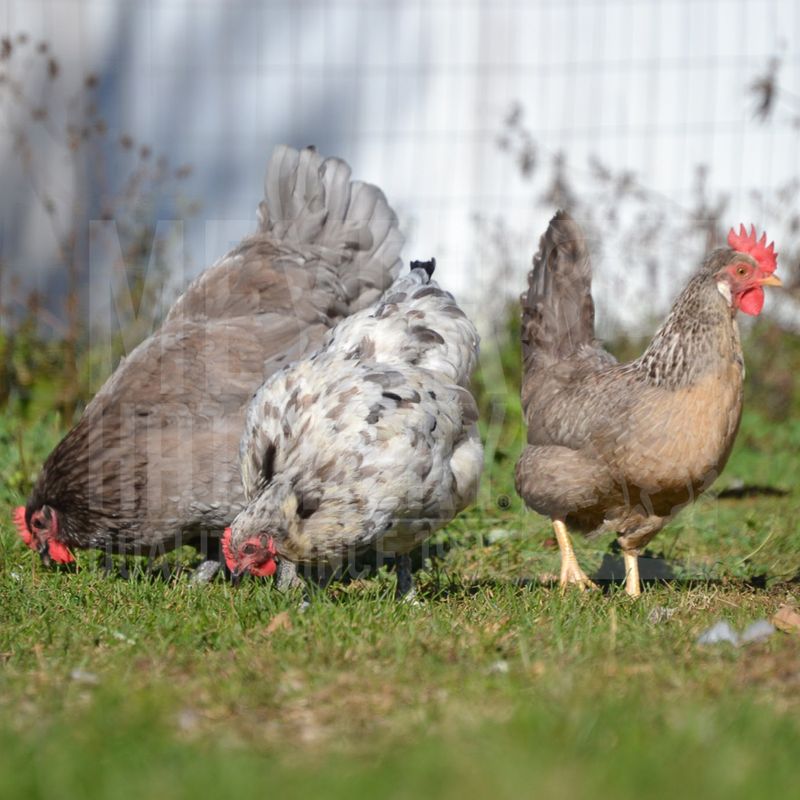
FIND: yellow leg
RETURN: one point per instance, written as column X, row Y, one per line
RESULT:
column 632, row 584
column 571, row 573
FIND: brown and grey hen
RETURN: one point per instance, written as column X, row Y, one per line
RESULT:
column 623, row 447
column 370, row 444
column 153, row 461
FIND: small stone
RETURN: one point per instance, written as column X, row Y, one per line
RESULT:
column 122, row 637
column 758, row 631
column 497, row 535
column 719, row 632
column 84, row 676
column 188, row 720
column 499, row 668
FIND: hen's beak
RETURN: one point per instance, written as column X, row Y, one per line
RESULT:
column 44, row 553
column 771, row 280
column 236, row 576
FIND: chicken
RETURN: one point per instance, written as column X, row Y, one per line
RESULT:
column 623, row 447
column 153, row 461
column 370, row 444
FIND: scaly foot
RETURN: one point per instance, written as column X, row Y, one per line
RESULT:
column 406, row 591
column 287, row 577
column 633, row 586
column 571, row 572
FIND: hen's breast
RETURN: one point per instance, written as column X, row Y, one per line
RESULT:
column 676, row 438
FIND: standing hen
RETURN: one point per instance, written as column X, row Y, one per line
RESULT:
column 152, row 463
column 623, row 447
column 368, row 445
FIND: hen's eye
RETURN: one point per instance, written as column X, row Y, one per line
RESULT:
column 741, row 272
column 249, row 549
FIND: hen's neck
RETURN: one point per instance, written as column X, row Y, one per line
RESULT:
column 699, row 335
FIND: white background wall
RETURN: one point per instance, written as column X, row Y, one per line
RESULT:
column 414, row 94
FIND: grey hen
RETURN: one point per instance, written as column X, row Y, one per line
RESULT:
column 152, row 463
column 368, row 445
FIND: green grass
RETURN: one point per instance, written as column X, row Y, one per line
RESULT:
column 496, row 685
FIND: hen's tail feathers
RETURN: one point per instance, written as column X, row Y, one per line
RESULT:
column 308, row 200
column 557, row 309
column 428, row 266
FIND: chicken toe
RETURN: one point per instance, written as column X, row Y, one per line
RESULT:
column 571, row 572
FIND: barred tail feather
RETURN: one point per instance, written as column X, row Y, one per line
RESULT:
column 557, row 309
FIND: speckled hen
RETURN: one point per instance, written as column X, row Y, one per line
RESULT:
column 153, row 461
column 369, row 444
column 623, row 447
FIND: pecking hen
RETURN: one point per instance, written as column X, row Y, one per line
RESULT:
column 153, row 461
column 623, row 447
column 370, row 444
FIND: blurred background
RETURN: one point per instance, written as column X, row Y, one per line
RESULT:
column 658, row 124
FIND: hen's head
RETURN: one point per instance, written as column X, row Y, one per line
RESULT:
column 250, row 545
column 747, row 270
column 254, row 554
column 39, row 529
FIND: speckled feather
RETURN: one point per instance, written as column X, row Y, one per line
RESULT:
column 153, row 461
column 415, row 322
column 359, row 446
column 623, row 447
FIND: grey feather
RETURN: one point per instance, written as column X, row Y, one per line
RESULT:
column 558, row 310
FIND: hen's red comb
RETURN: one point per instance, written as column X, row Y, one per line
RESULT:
column 743, row 242
column 226, row 549
column 22, row 528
